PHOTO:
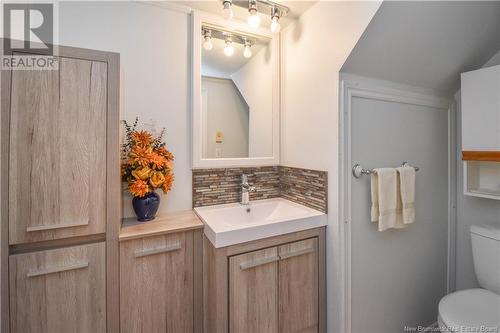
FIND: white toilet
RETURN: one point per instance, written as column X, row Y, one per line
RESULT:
column 477, row 310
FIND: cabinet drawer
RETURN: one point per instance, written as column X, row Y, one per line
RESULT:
column 50, row 290
column 156, row 284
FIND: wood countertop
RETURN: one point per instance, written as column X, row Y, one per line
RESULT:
column 163, row 224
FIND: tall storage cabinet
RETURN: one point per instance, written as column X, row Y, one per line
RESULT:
column 60, row 167
column 480, row 110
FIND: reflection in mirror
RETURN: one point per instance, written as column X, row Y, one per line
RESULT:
column 237, row 94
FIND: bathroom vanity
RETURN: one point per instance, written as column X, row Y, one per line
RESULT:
column 263, row 267
column 275, row 284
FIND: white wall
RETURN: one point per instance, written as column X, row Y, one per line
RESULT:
column 255, row 82
column 315, row 49
column 470, row 210
column 154, row 47
column 226, row 112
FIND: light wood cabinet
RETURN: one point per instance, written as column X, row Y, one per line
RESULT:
column 60, row 140
column 62, row 290
column 271, row 285
column 57, row 164
column 253, row 291
column 298, row 287
column 156, row 284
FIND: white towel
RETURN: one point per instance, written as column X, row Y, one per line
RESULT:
column 407, row 184
column 389, row 199
column 374, row 189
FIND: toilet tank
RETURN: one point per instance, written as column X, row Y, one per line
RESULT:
column 486, row 253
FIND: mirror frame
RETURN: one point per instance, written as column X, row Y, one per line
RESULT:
column 198, row 18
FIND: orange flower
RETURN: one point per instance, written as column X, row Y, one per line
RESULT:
column 123, row 168
column 141, row 173
column 158, row 161
column 167, row 183
column 138, row 188
column 146, row 163
column 142, row 138
column 165, row 153
column 157, row 179
column 140, row 155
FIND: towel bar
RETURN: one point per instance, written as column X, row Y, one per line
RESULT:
column 358, row 171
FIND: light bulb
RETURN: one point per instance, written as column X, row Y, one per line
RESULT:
column 253, row 18
column 207, row 43
column 275, row 25
column 229, row 49
column 247, row 53
column 227, row 10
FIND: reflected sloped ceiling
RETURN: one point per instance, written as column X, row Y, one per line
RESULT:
column 427, row 43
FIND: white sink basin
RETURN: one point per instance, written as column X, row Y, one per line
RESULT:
column 235, row 223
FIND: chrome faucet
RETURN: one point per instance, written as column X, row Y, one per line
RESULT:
column 246, row 188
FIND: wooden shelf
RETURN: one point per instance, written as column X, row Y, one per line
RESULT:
column 485, row 156
column 163, row 224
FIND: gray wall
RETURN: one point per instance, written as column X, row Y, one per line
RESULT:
column 427, row 43
column 227, row 111
column 470, row 210
column 398, row 276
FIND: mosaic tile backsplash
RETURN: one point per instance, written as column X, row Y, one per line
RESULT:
column 304, row 186
column 223, row 185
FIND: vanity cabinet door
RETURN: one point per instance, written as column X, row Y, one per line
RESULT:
column 156, row 284
column 298, row 287
column 62, row 290
column 253, row 291
column 57, row 163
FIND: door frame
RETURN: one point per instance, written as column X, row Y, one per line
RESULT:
column 354, row 86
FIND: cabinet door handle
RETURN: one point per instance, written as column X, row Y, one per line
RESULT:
column 258, row 262
column 52, row 270
column 296, row 253
column 56, row 226
column 150, row 252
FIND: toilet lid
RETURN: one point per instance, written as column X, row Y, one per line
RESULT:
column 472, row 308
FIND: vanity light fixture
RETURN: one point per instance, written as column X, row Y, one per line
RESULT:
column 247, row 52
column 253, row 17
column 227, row 9
column 230, row 38
column 207, row 40
column 275, row 16
column 229, row 48
column 277, row 11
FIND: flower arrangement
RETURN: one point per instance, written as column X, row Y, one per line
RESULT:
column 146, row 164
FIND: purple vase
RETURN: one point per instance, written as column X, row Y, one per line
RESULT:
column 146, row 207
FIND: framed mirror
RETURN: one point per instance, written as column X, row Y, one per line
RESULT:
column 235, row 94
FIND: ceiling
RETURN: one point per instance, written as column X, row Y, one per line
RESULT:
column 427, row 43
column 297, row 8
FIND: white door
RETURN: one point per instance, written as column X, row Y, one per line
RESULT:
column 398, row 276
